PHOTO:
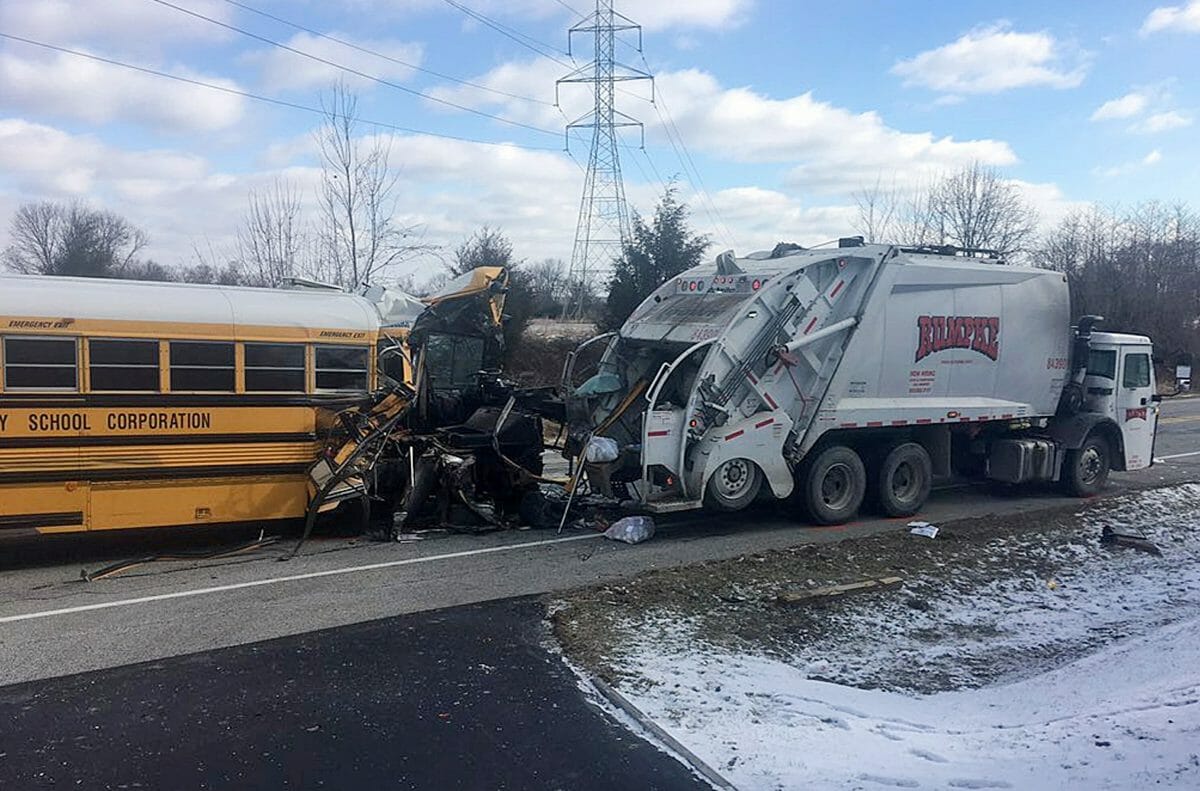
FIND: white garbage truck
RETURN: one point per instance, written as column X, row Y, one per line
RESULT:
column 857, row 374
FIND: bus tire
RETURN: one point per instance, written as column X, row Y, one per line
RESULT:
column 1085, row 469
column 833, row 485
column 733, row 485
column 903, row 480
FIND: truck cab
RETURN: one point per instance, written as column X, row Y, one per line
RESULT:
column 1119, row 384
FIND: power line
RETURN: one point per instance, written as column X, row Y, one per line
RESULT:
column 384, row 56
column 680, row 148
column 690, row 169
column 572, row 10
column 529, row 42
column 653, row 168
column 259, row 97
column 350, row 70
column 685, row 160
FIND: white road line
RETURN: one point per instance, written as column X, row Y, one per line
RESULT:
column 1177, row 456
column 290, row 578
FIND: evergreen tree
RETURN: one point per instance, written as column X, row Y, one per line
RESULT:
column 658, row 251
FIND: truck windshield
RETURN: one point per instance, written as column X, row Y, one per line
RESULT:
column 1102, row 362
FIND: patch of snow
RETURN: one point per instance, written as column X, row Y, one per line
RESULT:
column 1098, row 653
column 1125, row 717
column 1071, row 596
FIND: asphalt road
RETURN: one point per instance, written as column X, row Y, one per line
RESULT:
column 53, row 624
column 405, row 665
column 464, row 698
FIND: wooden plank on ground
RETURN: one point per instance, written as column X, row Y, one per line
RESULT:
column 810, row 594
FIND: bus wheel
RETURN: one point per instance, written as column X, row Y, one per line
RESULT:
column 733, row 485
column 833, row 485
column 904, row 479
column 1085, row 470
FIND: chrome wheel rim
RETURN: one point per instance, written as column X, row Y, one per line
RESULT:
column 733, row 479
column 1091, row 463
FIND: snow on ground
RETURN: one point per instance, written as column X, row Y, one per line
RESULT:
column 1064, row 596
column 1089, row 678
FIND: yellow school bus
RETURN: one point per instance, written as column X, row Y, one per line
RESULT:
column 128, row 404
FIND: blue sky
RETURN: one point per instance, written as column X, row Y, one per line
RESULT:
column 786, row 108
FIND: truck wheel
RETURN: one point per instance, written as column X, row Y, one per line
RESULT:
column 1085, row 470
column 733, row 485
column 833, row 485
column 904, row 479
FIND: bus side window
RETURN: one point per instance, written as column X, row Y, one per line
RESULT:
column 341, row 367
column 274, row 367
column 390, row 359
column 40, row 364
column 122, row 365
column 204, row 366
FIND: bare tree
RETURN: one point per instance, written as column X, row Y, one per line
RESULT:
column 272, row 240
column 1153, row 252
column 972, row 207
column 878, row 209
column 975, row 208
column 359, row 234
column 73, row 239
column 548, row 277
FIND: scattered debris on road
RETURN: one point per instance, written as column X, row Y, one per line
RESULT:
column 835, row 591
column 631, row 529
column 923, row 529
column 1129, row 539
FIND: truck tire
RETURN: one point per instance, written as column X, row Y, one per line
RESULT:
column 903, row 480
column 1085, row 469
column 833, row 485
column 733, row 485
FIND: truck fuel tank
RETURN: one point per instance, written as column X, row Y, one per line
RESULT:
column 1021, row 460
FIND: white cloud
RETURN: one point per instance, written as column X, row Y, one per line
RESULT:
column 1149, row 104
column 447, row 187
column 283, row 70
column 1183, row 18
column 995, row 58
column 534, row 79
column 72, row 87
column 712, row 14
column 1048, row 201
column 131, row 25
column 1162, row 122
column 1126, row 106
column 761, row 218
column 46, row 161
column 1126, row 168
column 829, row 147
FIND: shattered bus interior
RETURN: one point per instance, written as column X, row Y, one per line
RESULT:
column 452, row 445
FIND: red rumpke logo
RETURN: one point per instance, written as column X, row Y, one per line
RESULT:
column 977, row 333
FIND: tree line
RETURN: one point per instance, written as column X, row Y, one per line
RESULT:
column 1137, row 266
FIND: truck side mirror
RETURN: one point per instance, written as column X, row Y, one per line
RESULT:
column 1156, row 398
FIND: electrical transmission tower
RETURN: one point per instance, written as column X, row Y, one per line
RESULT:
column 603, row 227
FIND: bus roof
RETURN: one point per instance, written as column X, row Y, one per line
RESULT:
column 41, row 296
